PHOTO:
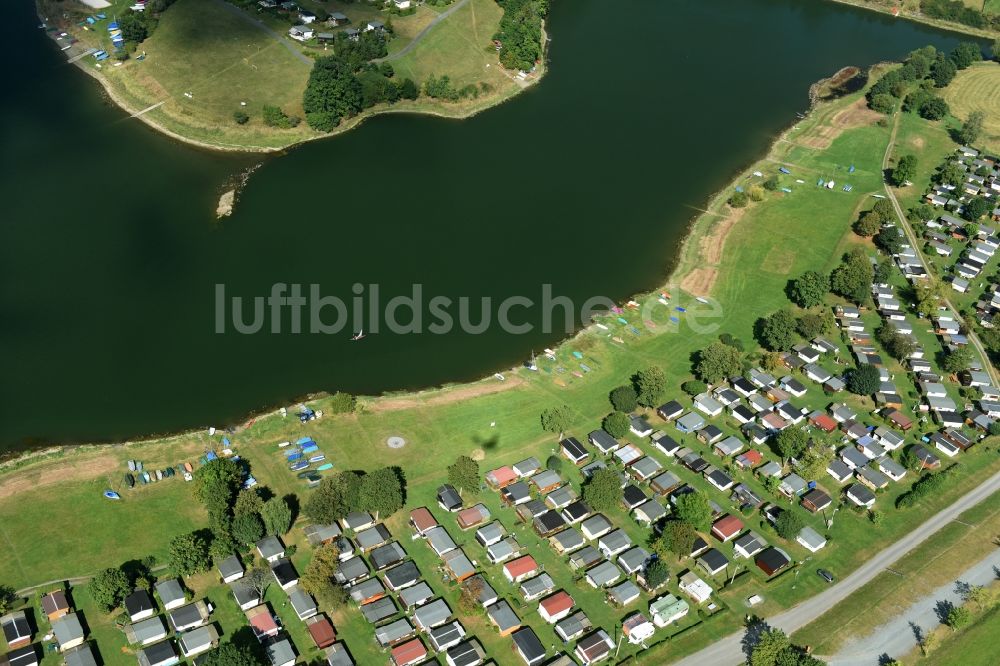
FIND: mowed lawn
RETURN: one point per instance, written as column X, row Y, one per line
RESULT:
column 203, row 49
column 977, row 88
column 975, row 646
column 461, row 48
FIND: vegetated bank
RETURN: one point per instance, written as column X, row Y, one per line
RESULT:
column 228, row 77
column 981, row 19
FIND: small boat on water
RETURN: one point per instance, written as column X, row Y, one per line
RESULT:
column 358, row 336
column 302, row 464
column 578, row 374
column 129, row 480
column 585, row 367
column 577, row 354
column 663, row 301
column 674, row 319
column 292, row 452
column 317, row 458
column 679, row 308
column 324, row 467
column 112, row 495
column 138, row 466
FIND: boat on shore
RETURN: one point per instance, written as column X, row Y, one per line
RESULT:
column 112, row 495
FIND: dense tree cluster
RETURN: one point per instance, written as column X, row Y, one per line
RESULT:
column 923, row 69
column 520, row 32
column 343, row 84
column 954, row 10
column 853, row 278
column 382, row 492
column 464, row 474
column 810, row 288
column 718, row 361
column 768, row 646
column 863, row 380
column 604, row 489
column 927, row 485
column 776, row 332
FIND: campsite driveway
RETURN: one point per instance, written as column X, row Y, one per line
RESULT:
column 233, row 9
column 728, row 651
column 898, row 637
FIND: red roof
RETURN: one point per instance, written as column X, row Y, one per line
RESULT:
column 422, row 519
column 409, row 652
column 727, row 526
column 752, row 456
column 472, row 516
column 825, row 422
column 321, row 631
column 502, row 476
column 262, row 621
column 520, row 566
column 557, row 603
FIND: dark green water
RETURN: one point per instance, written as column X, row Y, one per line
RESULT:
column 110, row 254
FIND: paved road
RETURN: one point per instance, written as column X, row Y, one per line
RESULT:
column 233, row 9
column 915, row 243
column 898, row 637
column 728, row 651
column 423, row 33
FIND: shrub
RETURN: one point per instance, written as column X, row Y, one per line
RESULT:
column 694, row 387
column 240, row 117
column 739, row 199
column 616, row 424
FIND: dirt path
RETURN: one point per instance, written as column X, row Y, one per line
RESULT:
column 444, row 396
column 44, row 475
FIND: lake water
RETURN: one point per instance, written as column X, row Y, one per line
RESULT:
column 110, row 253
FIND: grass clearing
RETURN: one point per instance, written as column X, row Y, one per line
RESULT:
column 974, row 646
column 977, row 88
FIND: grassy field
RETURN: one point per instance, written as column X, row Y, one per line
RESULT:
column 933, row 563
column 977, row 88
column 974, row 646
column 744, row 264
column 206, row 61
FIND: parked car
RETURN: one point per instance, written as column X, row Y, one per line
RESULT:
column 825, row 575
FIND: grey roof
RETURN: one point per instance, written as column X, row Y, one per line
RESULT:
column 633, row 559
column 351, row 569
column 603, row 441
column 838, row 469
column 67, row 628
column 440, row 540
column 357, row 519
column 379, row 610
column 139, row 601
column 230, row 566
column 527, row 467
column 170, row 591
column 373, row 536
column 270, row 547
column 244, row 592
column 80, row 656
column 560, row 497
column 446, row 634
column 366, row 589
column 572, row 626
column 646, row 467
column 458, row 563
column 317, row 534
column 503, row 615
column 596, row 523
column 604, row 573
column 540, row 584
column 624, row 592
column 280, row 652
column 546, row 478
column 616, row 540
column 584, row 557
column 301, row 602
column 186, row 615
column 338, row 655
column 487, row 594
column 416, row 594
column 387, row 555
column 197, row 638
column 402, row 575
column 491, row 533
column 158, row 653
column 392, row 632
column 432, row 614
column 652, row 510
column 568, row 538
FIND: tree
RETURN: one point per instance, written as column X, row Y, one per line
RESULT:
column 943, row 71
column 906, row 168
column 971, row 229
column 333, row 92
column 248, row 500
column 934, row 108
column 240, row 117
column 335, row 497
column 229, row 654
column 189, row 554
column 382, row 491
column 718, row 361
column 624, row 398
column 852, row 279
column 791, row 442
column 694, row 386
column 217, row 482
column 277, row 516
column 464, row 474
column 970, row 131
column 739, row 199
column 889, row 240
column 650, row 383
column 995, row 428
column 777, row 331
column 317, row 579
column 7, row 598
column 925, row 296
column 656, row 574
column 977, row 594
column 864, row 380
column 975, row 208
column 604, row 490
column 876, row 517
column 810, row 288
column 883, row 103
column 950, row 174
column 135, row 26
column 109, row 588
column 677, row 537
column 965, row 54
column 616, row 424
column 694, row 508
column 957, row 360
column 814, row 460
column 898, row 345
column 771, row 643
column 408, row 89
column 788, row 525
column 247, row 528
column 553, row 463
column 557, row 419
column 810, row 325
column 868, row 224
column 258, row 578
column 468, row 600
column 958, row 617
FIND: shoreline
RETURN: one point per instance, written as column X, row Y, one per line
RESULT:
column 686, row 262
column 940, row 24
column 345, row 126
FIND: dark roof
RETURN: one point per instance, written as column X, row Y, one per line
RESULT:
column 528, row 643
column 633, row 496
column 284, row 572
column 772, row 558
column 138, row 602
column 602, row 440
column 449, row 497
column 714, row 559
column 21, row 657
column 398, row 576
column 549, row 521
column 573, row 447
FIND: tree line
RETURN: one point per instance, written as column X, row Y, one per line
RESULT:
column 520, row 32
